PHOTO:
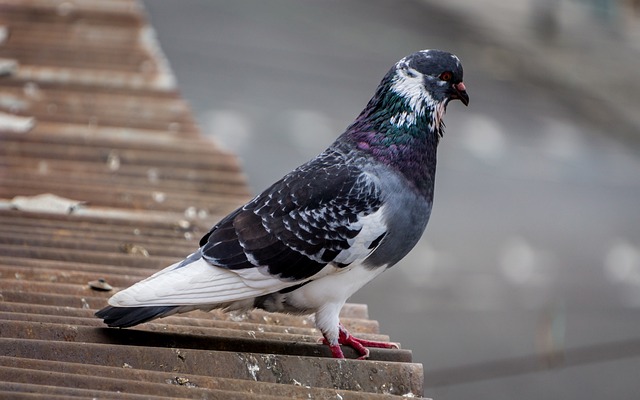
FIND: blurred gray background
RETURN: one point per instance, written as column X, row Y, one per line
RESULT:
column 526, row 284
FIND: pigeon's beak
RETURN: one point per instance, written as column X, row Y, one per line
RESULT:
column 460, row 93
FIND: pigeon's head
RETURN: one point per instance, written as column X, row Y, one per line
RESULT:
column 414, row 94
column 429, row 78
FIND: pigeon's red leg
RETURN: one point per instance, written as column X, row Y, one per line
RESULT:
column 359, row 345
column 336, row 351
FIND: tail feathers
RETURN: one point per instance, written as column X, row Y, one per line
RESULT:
column 124, row 317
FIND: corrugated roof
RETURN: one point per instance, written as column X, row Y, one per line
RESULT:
column 104, row 179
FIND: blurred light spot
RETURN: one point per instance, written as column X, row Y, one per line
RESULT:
column 424, row 266
column 484, row 138
column 113, row 161
column 622, row 263
column 518, row 261
column 183, row 223
column 153, row 175
column 231, row 128
column 32, row 90
column 43, row 167
column 310, row 129
column 191, row 212
column 561, row 140
column 159, row 197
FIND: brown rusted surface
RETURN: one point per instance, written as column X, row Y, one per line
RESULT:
column 185, row 380
column 90, row 118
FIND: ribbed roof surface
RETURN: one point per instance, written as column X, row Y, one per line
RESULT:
column 104, row 179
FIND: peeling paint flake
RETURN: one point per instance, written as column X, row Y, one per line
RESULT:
column 16, row 123
column 46, row 203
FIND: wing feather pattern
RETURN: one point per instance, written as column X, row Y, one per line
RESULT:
column 302, row 222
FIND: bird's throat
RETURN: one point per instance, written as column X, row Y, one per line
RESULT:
column 409, row 149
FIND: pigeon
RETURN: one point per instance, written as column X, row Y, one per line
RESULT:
column 319, row 234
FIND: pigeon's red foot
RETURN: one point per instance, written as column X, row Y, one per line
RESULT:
column 359, row 345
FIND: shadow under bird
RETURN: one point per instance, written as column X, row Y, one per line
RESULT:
column 316, row 236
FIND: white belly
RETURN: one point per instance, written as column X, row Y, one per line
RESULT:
column 333, row 289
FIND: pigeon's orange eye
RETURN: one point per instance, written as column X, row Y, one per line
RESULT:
column 446, row 76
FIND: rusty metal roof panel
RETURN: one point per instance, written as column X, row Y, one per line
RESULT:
column 107, row 43
column 104, row 179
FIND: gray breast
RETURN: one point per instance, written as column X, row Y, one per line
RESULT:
column 407, row 214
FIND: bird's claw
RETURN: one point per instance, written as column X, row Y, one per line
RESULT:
column 359, row 345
